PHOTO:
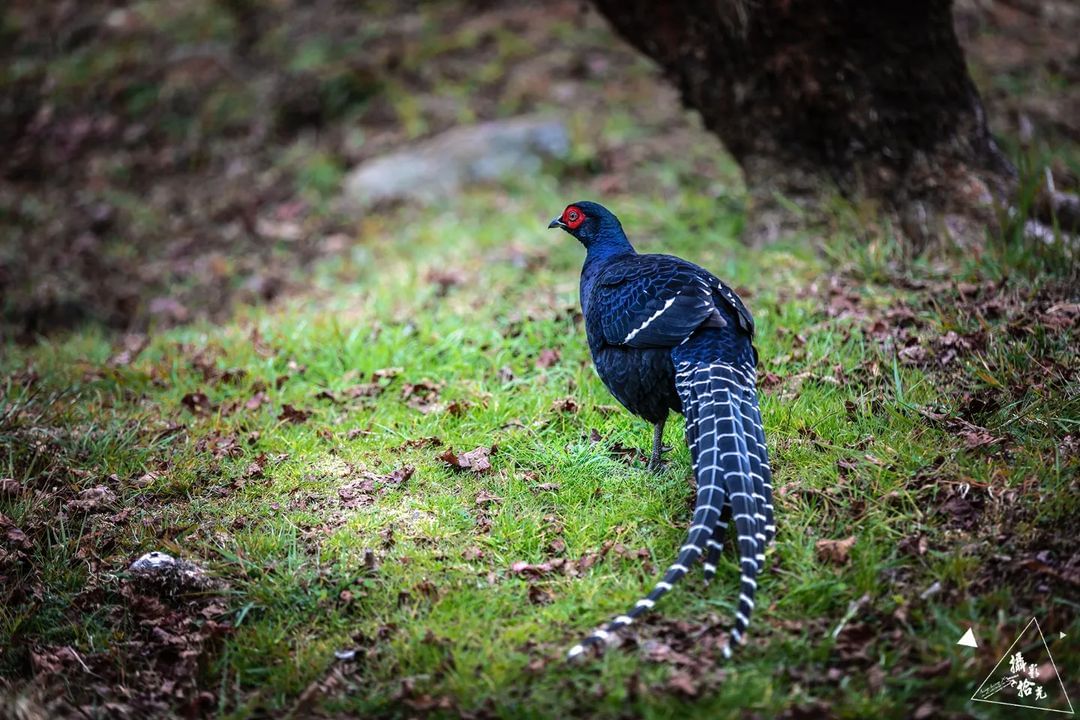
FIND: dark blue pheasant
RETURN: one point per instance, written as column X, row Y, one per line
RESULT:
column 667, row 335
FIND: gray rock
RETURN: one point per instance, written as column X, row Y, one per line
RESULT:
column 164, row 575
column 441, row 166
column 152, row 560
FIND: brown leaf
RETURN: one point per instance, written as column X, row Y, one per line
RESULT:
column 220, row 445
column 975, row 437
column 485, row 498
column 399, row 476
column 627, row 454
column 476, row 460
column 445, row 279
column 457, row 408
column 914, row 545
column 426, row 703
column 547, row 358
column 293, row 415
column 256, row 401
column 540, row 595
column 875, row 677
column 357, row 494
column 536, row 666
column 854, row 643
column 927, row 710
column 430, row 441
column 427, row 588
column 836, row 551
column 422, row 396
column 769, row 380
column 661, row 652
column 935, row 670
column 913, row 355
column 169, row 309
column 683, row 684
column 963, row 509
column 365, row 390
column 93, row 499
column 565, row 405
column 52, row 660
column 13, row 534
column 386, row 374
column 257, row 467
column 9, row 487
column 234, row 376
column 531, row 571
column 197, row 403
column 132, row 345
column 589, row 559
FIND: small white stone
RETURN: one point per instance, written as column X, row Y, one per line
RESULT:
column 155, row 559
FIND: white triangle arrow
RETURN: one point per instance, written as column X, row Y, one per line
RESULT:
column 1061, row 635
column 968, row 639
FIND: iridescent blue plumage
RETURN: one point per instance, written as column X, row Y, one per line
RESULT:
column 667, row 335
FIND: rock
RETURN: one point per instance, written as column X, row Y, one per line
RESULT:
column 439, row 167
column 164, row 575
column 152, row 560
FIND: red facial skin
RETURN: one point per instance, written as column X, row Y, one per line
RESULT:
column 573, row 217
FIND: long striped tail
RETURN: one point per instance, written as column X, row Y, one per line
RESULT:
column 731, row 470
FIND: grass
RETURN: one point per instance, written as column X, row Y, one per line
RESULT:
column 467, row 298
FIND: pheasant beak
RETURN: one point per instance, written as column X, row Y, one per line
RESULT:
column 557, row 223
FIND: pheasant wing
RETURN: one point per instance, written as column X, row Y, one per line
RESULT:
column 653, row 301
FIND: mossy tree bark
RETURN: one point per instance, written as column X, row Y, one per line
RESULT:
column 814, row 98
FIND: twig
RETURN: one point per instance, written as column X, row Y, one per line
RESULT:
column 853, row 607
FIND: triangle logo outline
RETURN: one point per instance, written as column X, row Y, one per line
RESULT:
column 1061, row 683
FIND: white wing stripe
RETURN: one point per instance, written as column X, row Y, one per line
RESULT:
column 655, row 315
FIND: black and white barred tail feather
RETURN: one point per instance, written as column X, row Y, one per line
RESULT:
column 759, row 457
column 728, row 457
column 715, row 545
column 735, row 439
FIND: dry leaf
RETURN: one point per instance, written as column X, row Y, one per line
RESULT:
column 836, row 551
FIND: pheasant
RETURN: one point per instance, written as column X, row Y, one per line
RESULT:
column 666, row 335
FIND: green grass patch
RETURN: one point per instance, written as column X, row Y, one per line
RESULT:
column 318, row 551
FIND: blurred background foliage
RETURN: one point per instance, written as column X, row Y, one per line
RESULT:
column 164, row 159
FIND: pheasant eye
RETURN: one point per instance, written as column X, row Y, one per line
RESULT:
column 573, row 217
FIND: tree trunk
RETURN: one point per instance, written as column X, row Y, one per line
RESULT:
column 814, row 97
